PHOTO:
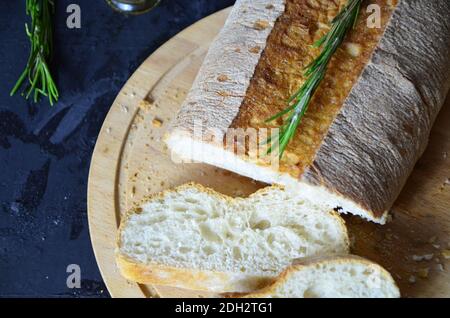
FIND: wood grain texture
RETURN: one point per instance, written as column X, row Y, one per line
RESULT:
column 130, row 161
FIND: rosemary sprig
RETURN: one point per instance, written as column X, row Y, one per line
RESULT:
column 37, row 72
column 315, row 72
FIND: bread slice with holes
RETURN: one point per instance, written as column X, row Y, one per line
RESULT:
column 192, row 237
column 344, row 276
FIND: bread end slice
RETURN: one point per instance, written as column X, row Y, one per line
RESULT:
column 343, row 276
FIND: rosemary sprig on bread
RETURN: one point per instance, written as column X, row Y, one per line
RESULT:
column 315, row 72
column 37, row 75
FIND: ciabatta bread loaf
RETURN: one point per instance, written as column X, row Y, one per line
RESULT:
column 367, row 124
column 332, row 277
column 194, row 238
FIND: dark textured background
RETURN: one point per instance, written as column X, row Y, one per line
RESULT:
column 45, row 151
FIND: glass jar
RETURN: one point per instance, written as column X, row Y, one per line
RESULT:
column 133, row 6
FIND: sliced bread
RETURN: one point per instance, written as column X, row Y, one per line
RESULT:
column 345, row 276
column 192, row 237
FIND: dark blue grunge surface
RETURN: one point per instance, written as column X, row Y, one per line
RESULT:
column 45, row 151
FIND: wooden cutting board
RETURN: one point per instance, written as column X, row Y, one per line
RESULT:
column 130, row 160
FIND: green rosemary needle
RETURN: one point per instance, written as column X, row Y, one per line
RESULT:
column 315, row 72
column 37, row 73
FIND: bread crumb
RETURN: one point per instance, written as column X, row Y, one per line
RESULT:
column 255, row 49
column 446, row 254
column 222, row 78
column 270, row 7
column 445, row 155
column 447, row 182
column 157, row 122
column 354, row 49
column 237, row 50
column 124, row 108
column 261, row 25
column 108, row 130
column 144, row 105
column 291, row 158
column 412, row 279
column 440, row 267
column 423, row 272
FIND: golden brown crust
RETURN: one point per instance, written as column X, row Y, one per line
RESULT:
column 280, row 72
column 155, row 274
column 187, row 278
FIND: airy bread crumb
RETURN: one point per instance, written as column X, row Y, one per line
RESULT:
column 195, row 238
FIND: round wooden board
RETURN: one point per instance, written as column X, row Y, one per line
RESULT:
column 130, row 161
